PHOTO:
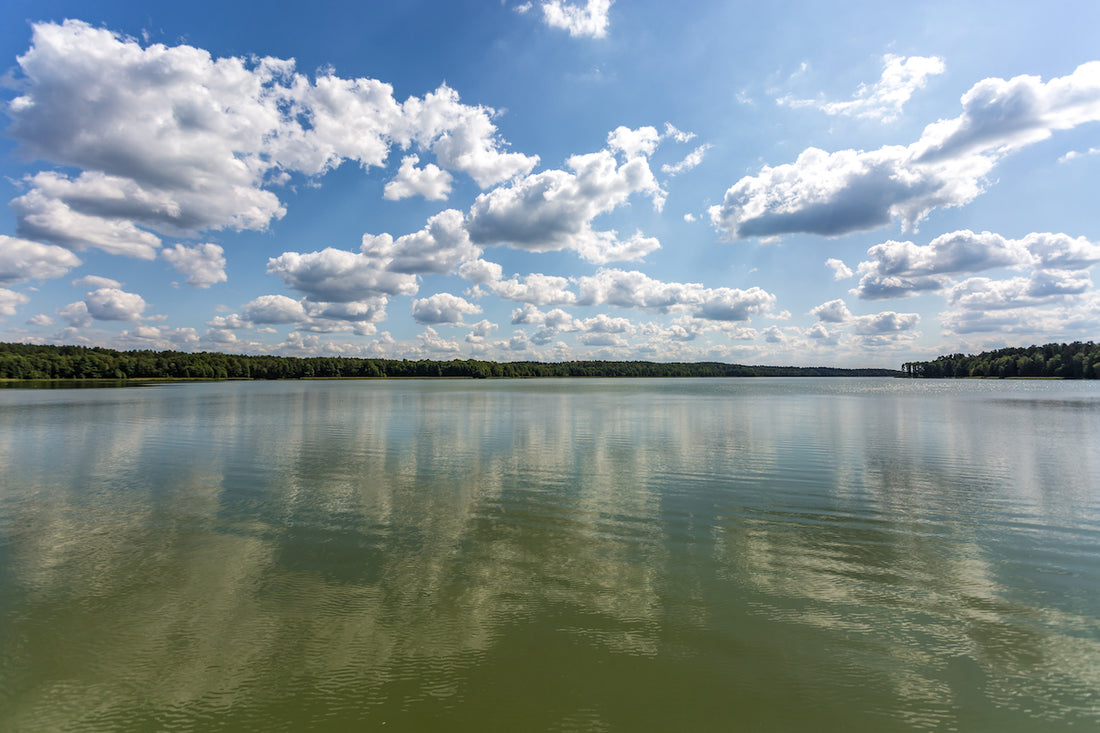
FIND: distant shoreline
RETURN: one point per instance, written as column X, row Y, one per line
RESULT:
column 29, row 362
column 1077, row 360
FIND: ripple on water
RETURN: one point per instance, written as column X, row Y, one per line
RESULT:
column 635, row 556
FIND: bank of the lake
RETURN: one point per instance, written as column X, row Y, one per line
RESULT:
column 33, row 361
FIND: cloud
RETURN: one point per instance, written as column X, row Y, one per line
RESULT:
column 774, row 335
column 173, row 141
column 1061, row 250
column 10, row 301
column 1049, row 283
column 158, row 337
column 384, row 265
column 1040, row 302
column 734, row 304
column 22, row 260
column 632, row 289
column 442, row 308
column 274, row 309
column 968, row 321
column 431, row 182
column 203, row 264
column 887, row 322
column 356, row 317
column 41, row 214
column 480, row 272
column 93, row 282
column 170, row 135
column 481, row 330
column 432, row 342
column 896, row 269
column 554, row 209
column 854, row 190
column 370, row 310
column 104, row 304
column 694, row 158
column 589, row 20
column 441, row 246
column 1022, row 319
column 835, row 311
column 112, row 304
column 902, row 268
column 338, row 276
column 599, row 330
column 676, row 134
column 982, row 293
column 838, row 193
column 230, row 322
column 75, row 314
column 528, row 314
column 901, row 76
column 463, row 138
column 603, row 323
column 1074, row 154
column 1000, row 116
column 633, row 143
column 604, row 247
column 819, row 333
column 840, row 270
column 535, row 288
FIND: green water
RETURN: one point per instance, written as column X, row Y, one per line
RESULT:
column 554, row 555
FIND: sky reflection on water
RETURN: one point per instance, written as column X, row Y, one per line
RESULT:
column 850, row 554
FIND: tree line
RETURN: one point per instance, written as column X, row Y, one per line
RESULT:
column 1078, row 360
column 32, row 361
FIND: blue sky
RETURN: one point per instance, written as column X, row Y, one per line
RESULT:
column 856, row 184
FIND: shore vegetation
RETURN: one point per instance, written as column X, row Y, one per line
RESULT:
column 1077, row 360
column 33, row 361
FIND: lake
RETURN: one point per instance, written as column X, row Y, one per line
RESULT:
column 552, row 555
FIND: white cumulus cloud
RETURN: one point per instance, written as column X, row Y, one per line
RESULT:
column 535, row 288
column 632, row 143
column 587, row 20
column 203, row 264
column 840, row 270
column 896, row 269
column 853, row 190
column 431, row 182
column 171, row 140
column 442, row 308
column 887, row 322
column 104, row 304
column 835, row 311
column 441, row 246
column 112, row 304
column 632, row 289
column 93, row 282
column 339, row 276
column 22, row 260
column 273, row 309
column 554, row 209
column 10, row 301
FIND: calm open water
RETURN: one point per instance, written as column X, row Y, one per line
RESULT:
column 552, row 555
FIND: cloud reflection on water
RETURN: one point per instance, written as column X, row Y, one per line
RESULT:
column 218, row 547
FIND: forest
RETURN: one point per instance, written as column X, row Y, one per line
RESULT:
column 32, row 361
column 1078, row 360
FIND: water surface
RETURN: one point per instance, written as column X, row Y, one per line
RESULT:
column 630, row 555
